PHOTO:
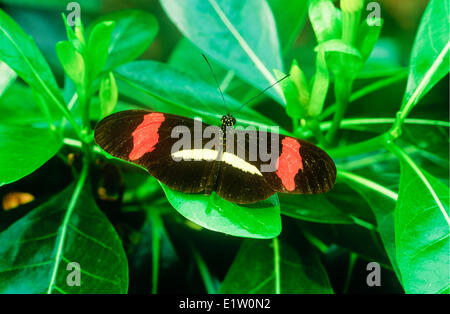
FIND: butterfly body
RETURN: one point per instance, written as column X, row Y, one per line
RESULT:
column 212, row 158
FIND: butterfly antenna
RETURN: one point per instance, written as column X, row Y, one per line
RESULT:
column 215, row 79
column 259, row 94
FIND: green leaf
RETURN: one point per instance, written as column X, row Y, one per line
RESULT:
column 19, row 96
column 72, row 62
column 263, row 266
column 325, row 19
column 422, row 230
column 162, row 88
column 37, row 249
column 429, row 58
column 241, row 35
column 290, row 16
column 260, row 220
column 21, row 54
column 108, row 94
column 315, row 208
column 134, row 32
column 368, row 35
column 382, row 202
column 187, row 58
column 320, row 85
column 353, row 238
column 24, row 149
column 291, row 94
column 342, row 59
column 98, row 44
column 299, row 78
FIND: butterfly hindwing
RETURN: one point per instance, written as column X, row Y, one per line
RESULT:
column 297, row 165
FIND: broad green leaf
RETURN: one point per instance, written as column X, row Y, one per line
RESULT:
column 108, row 94
column 241, row 35
column 134, row 32
column 430, row 54
column 353, row 238
column 260, row 220
column 382, row 202
column 315, row 208
column 264, row 266
column 37, row 249
column 290, row 16
column 20, row 96
column 325, row 19
column 21, row 54
column 187, row 58
column 98, row 45
column 160, row 87
column 72, row 62
column 24, row 149
column 422, row 230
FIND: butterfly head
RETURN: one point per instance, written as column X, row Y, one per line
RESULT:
column 227, row 120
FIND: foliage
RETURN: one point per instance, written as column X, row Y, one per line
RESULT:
column 390, row 203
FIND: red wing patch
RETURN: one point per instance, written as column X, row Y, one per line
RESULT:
column 289, row 162
column 146, row 135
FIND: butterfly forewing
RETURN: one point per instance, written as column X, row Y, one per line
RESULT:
column 145, row 138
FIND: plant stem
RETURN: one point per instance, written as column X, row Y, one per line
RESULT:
column 342, row 90
column 367, row 183
column 366, row 90
column 359, row 148
column 395, row 132
column 276, row 264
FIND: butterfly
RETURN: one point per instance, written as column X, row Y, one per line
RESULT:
column 225, row 163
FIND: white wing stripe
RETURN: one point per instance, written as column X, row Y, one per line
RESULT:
column 210, row 155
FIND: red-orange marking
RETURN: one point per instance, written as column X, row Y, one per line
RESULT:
column 289, row 162
column 146, row 135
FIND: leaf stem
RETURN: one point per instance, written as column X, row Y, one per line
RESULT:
column 367, row 183
column 71, row 207
column 366, row 90
column 370, row 121
column 404, row 111
column 358, row 148
column 342, row 90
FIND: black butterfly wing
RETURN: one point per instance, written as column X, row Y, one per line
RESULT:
column 287, row 164
column 145, row 138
